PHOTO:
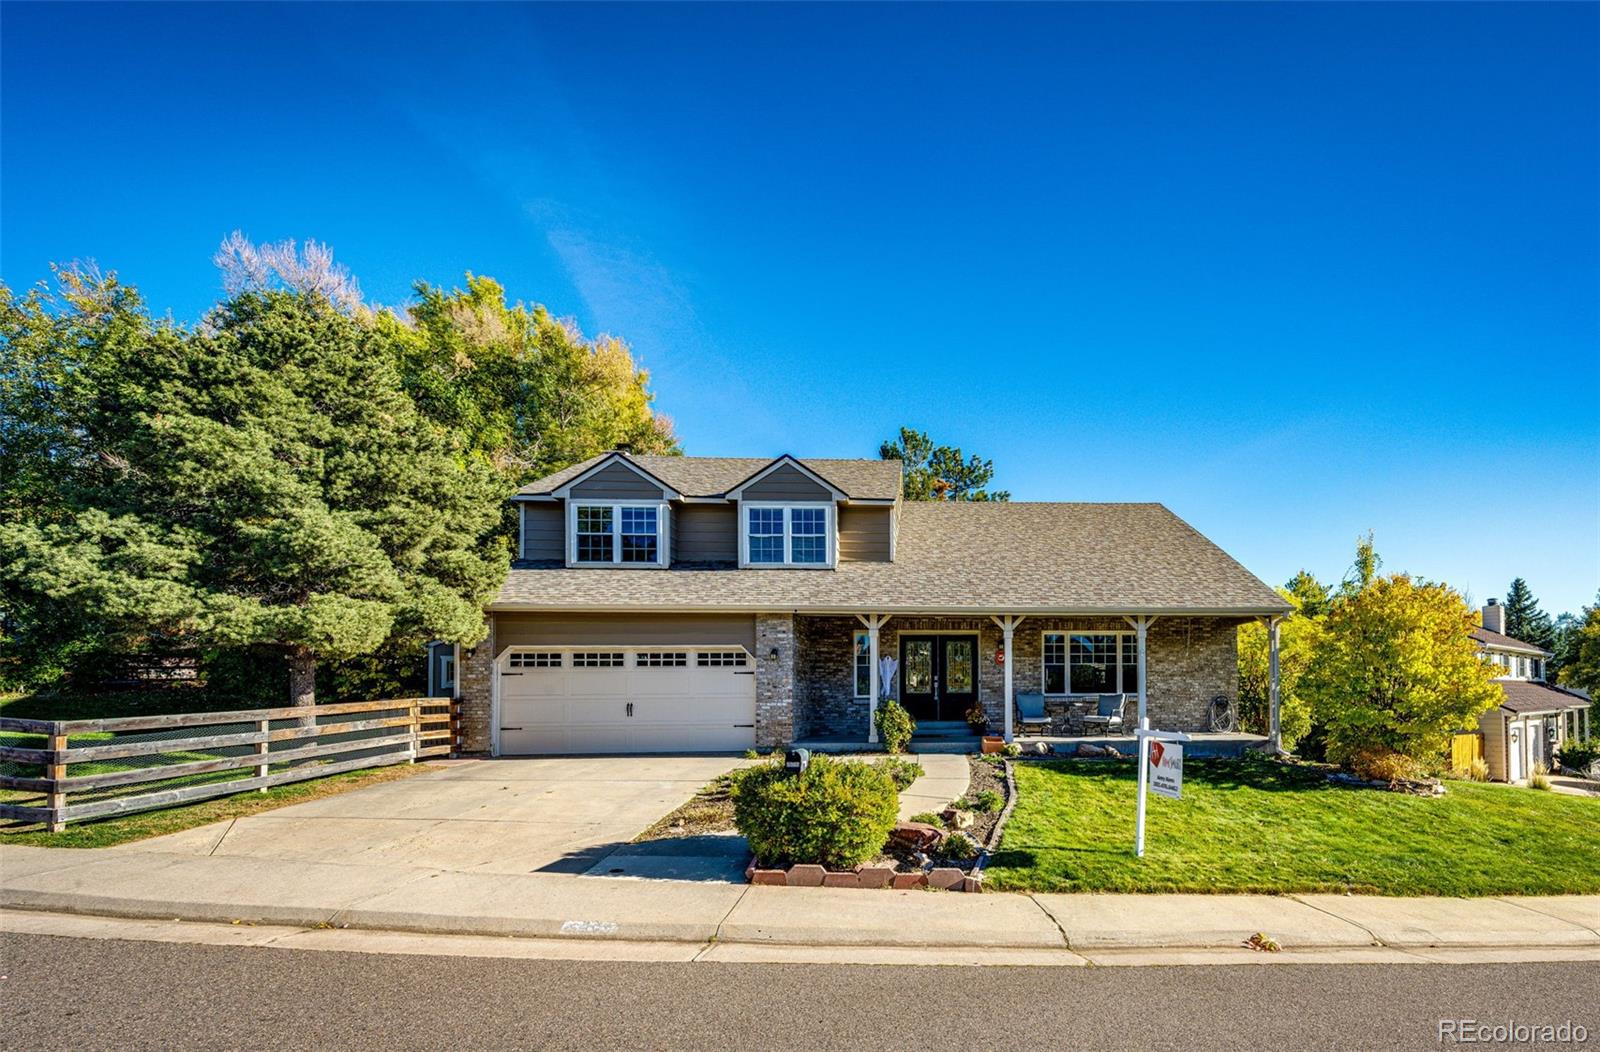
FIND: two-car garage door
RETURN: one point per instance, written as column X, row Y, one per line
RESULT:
column 626, row 699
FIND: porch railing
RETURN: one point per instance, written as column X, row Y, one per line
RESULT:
column 60, row 771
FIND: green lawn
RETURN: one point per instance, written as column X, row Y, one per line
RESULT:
column 1258, row 826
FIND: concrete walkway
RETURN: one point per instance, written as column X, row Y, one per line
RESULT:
column 154, row 885
column 944, row 778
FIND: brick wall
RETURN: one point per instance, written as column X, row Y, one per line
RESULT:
column 474, row 678
column 775, row 680
column 1191, row 661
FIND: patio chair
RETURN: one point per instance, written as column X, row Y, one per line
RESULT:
column 1034, row 720
column 1108, row 716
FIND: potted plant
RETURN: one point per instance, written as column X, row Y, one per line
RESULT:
column 977, row 718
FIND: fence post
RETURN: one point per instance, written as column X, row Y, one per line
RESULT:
column 262, row 748
column 416, row 728
column 57, row 772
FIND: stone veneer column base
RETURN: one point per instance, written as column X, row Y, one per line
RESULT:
column 774, row 680
column 475, row 682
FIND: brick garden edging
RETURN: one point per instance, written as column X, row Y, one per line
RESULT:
column 943, row 878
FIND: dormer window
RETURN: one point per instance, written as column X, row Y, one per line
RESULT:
column 617, row 533
column 775, row 535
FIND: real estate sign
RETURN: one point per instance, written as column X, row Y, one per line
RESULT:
column 1166, row 768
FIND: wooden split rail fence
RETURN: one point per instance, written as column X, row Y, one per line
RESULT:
column 140, row 763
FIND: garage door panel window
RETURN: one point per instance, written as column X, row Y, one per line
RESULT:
column 662, row 659
column 535, row 659
column 722, row 659
column 597, row 659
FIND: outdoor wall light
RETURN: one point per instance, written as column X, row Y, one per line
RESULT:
column 773, row 655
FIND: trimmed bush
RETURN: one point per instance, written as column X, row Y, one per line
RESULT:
column 958, row 847
column 837, row 814
column 986, row 802
column 895, row 726
column 904, row 772
column 1579, row 754
column 1384, row 765
column 932, row 818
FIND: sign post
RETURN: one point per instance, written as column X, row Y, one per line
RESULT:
column 1167, row 758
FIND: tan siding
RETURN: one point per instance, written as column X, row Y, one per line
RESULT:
column 1493, row 724
column 552, row 630
column 703, row 533
column 864, row 534
column 617, row 482
column 543, row 530
column 787, row 483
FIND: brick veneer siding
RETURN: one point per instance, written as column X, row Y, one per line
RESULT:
column 474, row 681
column 775, row 679
column 1191, row 661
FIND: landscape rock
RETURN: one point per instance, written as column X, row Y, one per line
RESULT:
column 806, row 876
column 1091, row 751
column 1042, row 748
column 955, row 818
column 916, row 836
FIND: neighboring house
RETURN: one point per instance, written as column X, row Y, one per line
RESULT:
column 1534, row 719
column 708, row 603
column 442, row 658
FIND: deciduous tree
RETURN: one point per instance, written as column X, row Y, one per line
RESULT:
column 1395, row 671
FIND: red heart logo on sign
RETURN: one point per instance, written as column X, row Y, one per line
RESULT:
column 1155, row 754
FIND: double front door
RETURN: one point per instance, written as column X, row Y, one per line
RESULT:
column 938, row 676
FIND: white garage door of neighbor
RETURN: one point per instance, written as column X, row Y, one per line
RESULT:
column 626, row 700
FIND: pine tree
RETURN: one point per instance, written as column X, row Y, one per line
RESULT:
column 930, row 472
column 1310, row 594
column 261, row 481
column 1524, row 619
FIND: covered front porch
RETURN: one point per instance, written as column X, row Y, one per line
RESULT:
column 1171, row 667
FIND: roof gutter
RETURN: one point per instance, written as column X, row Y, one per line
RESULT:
column 877, row 608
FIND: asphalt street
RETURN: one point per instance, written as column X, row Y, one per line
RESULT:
column 61, row 993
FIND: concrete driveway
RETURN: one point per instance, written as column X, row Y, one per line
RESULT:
column 547, row 814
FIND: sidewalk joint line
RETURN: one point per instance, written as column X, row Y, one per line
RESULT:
column 223, row 837
column 1545, row 913
column 1064, row 940
column 1356, row 924
column 716, row 933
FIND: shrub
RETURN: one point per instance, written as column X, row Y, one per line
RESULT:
column 1539, row 777
column 987, row 801
column 895, row 726
column 1012, row 749
column 1580, row 754
column 932, row 818
column 977, row 717
column 1477, row 769
column 958, row 846
column 838, row 813
column 903, row 772
column 1383, row 765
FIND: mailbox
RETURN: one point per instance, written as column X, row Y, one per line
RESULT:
column 797, row 761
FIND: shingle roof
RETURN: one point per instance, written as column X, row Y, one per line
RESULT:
column 714, row 476
column 950, row 557
column 1525, row 696
column 1495, row 639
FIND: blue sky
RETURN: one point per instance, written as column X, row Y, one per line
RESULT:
column 1296, row 271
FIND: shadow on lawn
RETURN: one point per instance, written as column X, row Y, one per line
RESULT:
column 1245, row 773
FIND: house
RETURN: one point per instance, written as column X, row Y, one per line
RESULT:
column 713, row 603
column 1534, row 718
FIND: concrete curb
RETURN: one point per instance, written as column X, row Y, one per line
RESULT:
column 563, row 907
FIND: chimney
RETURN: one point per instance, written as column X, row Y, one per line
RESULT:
column 1494, row 617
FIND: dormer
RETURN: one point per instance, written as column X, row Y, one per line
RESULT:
column 617, row 514
column 788, row 518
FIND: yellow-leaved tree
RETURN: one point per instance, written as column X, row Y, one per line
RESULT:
column 1395, row 673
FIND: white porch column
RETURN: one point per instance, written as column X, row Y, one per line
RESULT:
column 1141, row 627
column 873, row 622
column 1008, row 624
column 1275, row 736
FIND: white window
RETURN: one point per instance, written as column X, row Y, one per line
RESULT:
column 1091, row 663
column 597, row 659
column 1538, row 668
column 617, row 533
column 535, row 659
column 863, row 650
column 787, row 535
column 721, row 659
